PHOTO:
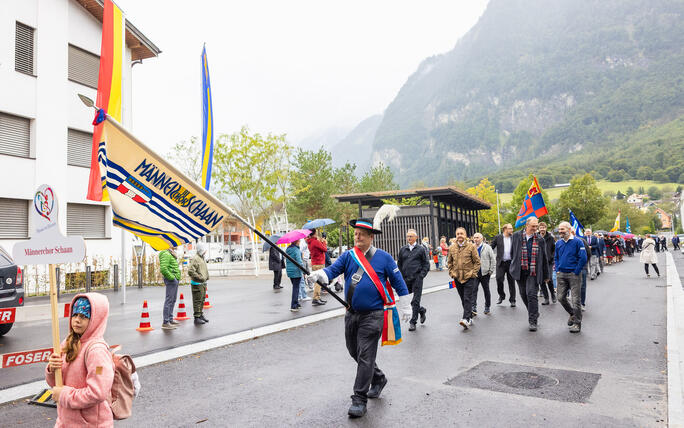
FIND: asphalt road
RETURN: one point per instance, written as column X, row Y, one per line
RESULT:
column 497, row 374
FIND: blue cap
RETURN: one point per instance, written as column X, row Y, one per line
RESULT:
column 81, row 306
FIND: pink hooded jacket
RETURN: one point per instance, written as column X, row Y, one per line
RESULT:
column 87, row 384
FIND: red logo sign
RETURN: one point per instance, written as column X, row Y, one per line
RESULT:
column 7, row 315
column 26, row 357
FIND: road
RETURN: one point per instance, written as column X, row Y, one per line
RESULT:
column 613, row 374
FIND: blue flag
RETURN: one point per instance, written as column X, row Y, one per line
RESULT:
column 576, row 225
column 207, row 124
column 628, row 228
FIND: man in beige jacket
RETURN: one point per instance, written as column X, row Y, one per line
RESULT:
column 464, row 264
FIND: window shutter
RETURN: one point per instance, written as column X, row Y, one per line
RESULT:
column 15, row 135
column 23, row 49
column 14, row 215
column 84, row 67
column 86, row 220
column 79, row 146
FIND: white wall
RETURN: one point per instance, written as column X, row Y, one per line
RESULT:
column 51, row 101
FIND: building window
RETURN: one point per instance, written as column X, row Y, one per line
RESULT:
column 86, row 220
column 15, row 136
column 23, row 49
column 83, row 67
column 14, row 215
column 79, row 146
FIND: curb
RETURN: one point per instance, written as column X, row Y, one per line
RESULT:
column 675, row 342
column 30, row 389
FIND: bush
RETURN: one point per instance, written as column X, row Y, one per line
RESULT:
column 661, row 177
column 654, row 192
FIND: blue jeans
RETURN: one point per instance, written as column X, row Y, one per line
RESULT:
column 170, row 299
column 584, row 287
column 302, row 289
column 294, row 302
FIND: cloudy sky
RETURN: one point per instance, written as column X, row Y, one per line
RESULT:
column 296, row 67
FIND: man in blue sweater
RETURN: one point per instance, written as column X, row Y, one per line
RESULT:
column 570, row 258
column 364, row 320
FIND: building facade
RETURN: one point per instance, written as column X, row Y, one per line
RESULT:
column 49, row 53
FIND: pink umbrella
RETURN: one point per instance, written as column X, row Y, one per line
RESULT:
column 293, row 235
column 629, row 235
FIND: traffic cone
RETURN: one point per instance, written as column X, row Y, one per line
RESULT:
column 207, row 305
column 181, row 316
column 145, row 319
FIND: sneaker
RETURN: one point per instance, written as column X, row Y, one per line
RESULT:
column 501, row 299
column 576, row 328
column 545, row 302
column 487, row 311
column 174, row 322
column 648, row 275
column 356, row 410
column 198, row 321
column 571, row 320
column 474, row 312
column 464, row 324
column 532, row 327
column 470, row 322
column 422, row 315
column 318, row 302
column 512, row 304
column 168, row 326
column 375, row 390
column 203, row 318
column 306, row 299
column 412, row 327
column 584, row 308
column 295, row 309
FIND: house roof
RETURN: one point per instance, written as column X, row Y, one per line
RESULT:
column 141, row 47
column 446, row 194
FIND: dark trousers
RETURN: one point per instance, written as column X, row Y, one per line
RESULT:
column 675, row 245
column 199, row 292
column 465, row 292
column 362, row 332
column 294, row 301
column 501, row 271
column 655, row 267
column 170, row 299
column 277, row 277
column 583, row 293
column 415, row 286
column 482, row 280
column 529, row 289
column 547, row 287
column 568, row 281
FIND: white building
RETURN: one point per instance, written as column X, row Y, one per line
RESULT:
column 49, row 53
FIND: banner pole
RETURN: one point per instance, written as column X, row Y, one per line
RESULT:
column 55, row 322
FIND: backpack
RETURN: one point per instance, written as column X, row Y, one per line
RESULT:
column 125, row 385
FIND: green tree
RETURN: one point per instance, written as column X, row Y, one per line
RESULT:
column 661, row 177
column 488, row 222
column 311, row 185
column 654, row 192
column 380, row 177
column 644, row 173
column 641, row 190
column 248, row 167
column 630, row 191
column 617, row 175
column 619, row 195
column 584, row 198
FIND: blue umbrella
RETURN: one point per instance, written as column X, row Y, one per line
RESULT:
column 267, row 244
column 319, row 222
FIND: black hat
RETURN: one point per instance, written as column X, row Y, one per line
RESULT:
column 364, row 223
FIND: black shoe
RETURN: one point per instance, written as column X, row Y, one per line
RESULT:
column 474, row 312
column 412, row 327
column 356, row 410
column 554, row 299
column 545, row 302
column 422, row 316
column 501, row 299
column 571, row 320
column 512, row 304
column 576, row 328
column 375, row 390
column 532, row 327
column 199, row 321
column 318, row 302
column 203, row 319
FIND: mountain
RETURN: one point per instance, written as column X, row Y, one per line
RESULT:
column 356, row 146
column 326, row 138
column 539, row 83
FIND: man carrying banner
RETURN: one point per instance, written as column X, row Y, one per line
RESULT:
column 368, row 273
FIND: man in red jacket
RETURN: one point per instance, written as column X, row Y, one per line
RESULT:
column 317, row 248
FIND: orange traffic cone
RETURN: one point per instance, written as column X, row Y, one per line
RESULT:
column 181, row 316
column 145, row 319
column 207, row 305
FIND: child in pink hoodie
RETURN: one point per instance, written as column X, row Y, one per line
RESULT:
column 87, row 366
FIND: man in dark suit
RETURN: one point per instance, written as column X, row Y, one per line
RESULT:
column 502, row 244
column 594, row 246
column 529, row 267
column 414, row 265
column 547, row 287
column 276, row 263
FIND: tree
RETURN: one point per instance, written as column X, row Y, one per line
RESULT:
column 584, row 198
column 616, row 176
column 187, row 156
column 311, row 185
column 619, row 195
column 488, row 222
column 250, row 167
column 641, row 190
column 630, row 191
column 644, row 173
column 661, row 177
column 378, row 178
column 654, row 192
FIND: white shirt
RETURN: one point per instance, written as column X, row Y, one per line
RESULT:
column 411, row 246
column 507, row 248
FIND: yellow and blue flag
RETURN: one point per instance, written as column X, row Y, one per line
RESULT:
column 207, row 123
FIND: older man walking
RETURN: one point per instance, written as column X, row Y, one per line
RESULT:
column 529, row 267
column 199, row 275
column 570, row 258
column 487, row 263
column 414, row 265
column 593, row 243
column 502, row 244
column 464, row 264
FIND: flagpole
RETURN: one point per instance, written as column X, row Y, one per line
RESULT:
column 498, row 214
column 216, row 201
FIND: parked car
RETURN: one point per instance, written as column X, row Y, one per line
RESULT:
column 11, row 286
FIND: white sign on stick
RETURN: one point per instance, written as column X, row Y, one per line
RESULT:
column 47, row 244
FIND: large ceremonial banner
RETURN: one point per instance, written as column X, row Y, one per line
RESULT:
column 150, row 197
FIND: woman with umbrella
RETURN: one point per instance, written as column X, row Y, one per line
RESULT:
column 292, row 271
